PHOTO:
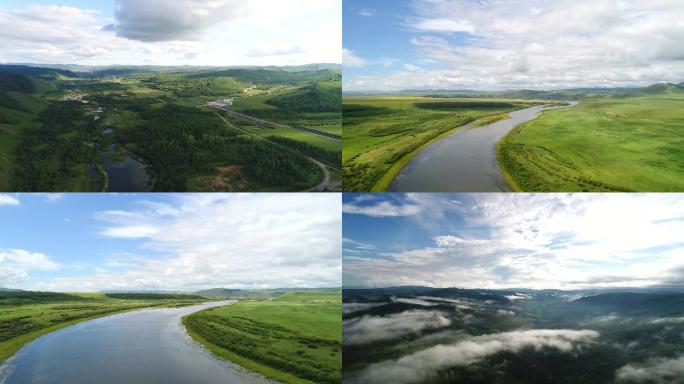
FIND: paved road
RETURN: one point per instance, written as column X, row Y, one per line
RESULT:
column 326, row 184
column 265, row 122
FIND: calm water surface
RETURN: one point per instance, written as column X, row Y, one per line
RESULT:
column 462, row 162
column 148, row 346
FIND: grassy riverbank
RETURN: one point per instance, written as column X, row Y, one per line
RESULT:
column 603, row 144
column 294, row 339
column 382, row 134
column 25, row 316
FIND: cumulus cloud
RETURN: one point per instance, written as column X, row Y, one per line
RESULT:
column 168, row 20
column 420, row 366
column 9, row 200
column 16, row 265
column 654, row 371
column 382, row 209
column 540, row 45
column 221, row 240
column 536, row 241
column 367, row 12
column 352, row 60
column 368, row 329
column 444, row 25
column 170, row 32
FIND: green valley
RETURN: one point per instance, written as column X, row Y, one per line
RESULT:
column 170, row 128
column 383, row 133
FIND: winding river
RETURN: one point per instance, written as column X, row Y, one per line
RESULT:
column 147, row 346
column 462, row 162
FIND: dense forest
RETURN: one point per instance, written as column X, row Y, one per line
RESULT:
column 180, row 142
column 318, row 153
column 48, row 156
column 67, row 130
column 316, row 97
column 16, row 82
column 210, row 86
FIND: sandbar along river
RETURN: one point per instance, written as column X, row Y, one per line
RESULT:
column 462, row 162
column 148, row 346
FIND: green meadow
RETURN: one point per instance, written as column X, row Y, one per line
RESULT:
column 611, row 143
column 382, row 134
column 25, row 316
column 295, row 338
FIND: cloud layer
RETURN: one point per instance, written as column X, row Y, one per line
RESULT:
column 655, row 371
column 368, row 329
column 236, row 240
column 170, row 32
column 533, row 240
column 420, row 366
column 506, row 44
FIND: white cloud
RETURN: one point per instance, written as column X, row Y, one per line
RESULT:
column 548, row 45
column 352, row 60
column 164, row 32
column 221, row 240
column 130, row 231
column 420, row 366
column 444, row 25
column 654, row 371
column 161, row 20
column 534, row 240
column 382, row 209
column 16, row 265
column 367, row 12
column 8, row 200
column 368, row 329
column 52, row 197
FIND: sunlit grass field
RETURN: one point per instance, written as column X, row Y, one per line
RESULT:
column 295, row 338
column 607, row 144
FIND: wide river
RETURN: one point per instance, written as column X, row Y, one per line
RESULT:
column 148, row 346
column 462, row 162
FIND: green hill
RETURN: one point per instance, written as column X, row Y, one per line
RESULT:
column 261, row 76
column 16, row 82
column 321, row 96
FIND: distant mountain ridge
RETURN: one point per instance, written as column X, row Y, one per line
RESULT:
column 559, row 94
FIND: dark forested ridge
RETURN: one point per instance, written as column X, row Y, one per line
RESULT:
column 16, row 82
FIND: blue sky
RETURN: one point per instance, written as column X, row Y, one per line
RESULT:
column 179, row 32
column 92, row 242
column 538, row 241
column 505, row 44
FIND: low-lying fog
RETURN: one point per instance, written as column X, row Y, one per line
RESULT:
column 421, row 335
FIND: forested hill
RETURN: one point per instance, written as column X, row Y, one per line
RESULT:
column 40, row 72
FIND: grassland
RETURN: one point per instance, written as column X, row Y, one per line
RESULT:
column 382, row 134
column 25, row 316
column 609, row 143
column 294, row 339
